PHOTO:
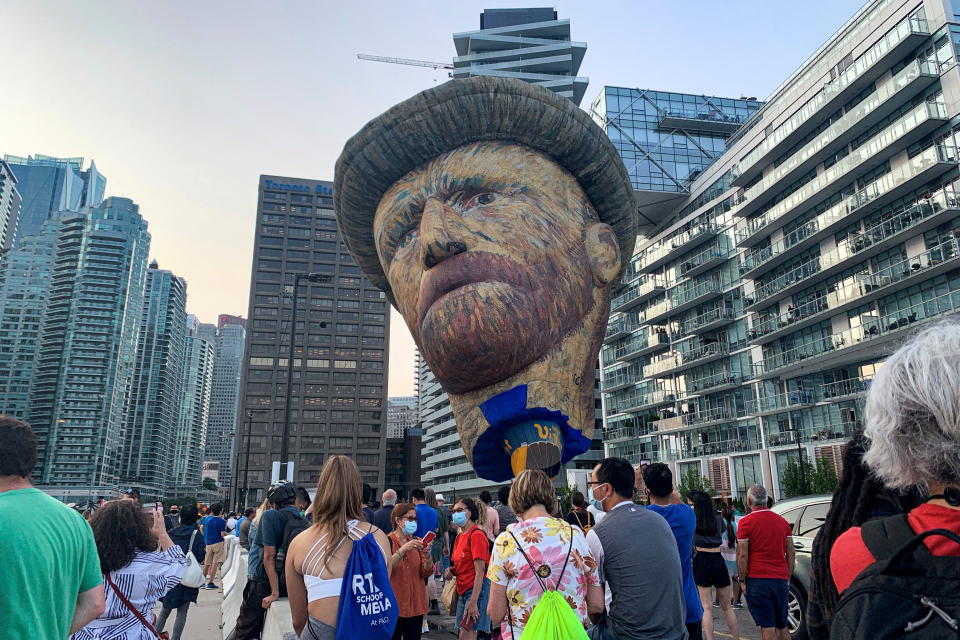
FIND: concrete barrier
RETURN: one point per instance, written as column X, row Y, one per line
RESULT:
column 278, row 625
column 233, row 595
column 230, row 544
column 236, row 573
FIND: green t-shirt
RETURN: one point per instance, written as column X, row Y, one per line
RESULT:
column 49, row 557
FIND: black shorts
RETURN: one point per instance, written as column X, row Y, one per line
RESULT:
column 709, row 570
column 767, row 600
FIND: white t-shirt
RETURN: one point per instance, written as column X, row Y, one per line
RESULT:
column 231, row 523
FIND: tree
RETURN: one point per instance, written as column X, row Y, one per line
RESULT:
column 563, row 498
column 820, row 478
column 209, row 484
column 693, row 481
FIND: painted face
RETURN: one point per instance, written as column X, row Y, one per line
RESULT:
column 484, row 248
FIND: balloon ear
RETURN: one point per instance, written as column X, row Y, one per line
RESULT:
column 603, row 252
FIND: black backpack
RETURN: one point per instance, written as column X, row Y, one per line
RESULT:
column 292, row 527
column 907, row 593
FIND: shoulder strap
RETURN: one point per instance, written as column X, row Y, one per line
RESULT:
column 133, row 609
column 885, row 536
column 190, row 544
column 566, row 560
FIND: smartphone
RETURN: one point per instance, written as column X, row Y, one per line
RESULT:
column 427, row 539
column 467, row 623
column 149, row 506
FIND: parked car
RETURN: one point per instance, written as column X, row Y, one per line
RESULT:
column 805, row 515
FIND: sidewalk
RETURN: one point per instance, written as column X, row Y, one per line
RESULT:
column 203, row 619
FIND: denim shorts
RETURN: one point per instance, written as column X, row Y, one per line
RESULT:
column 767, row 601
column 483, row 623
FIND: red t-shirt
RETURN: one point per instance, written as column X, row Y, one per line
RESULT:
column 850, row 555
column 469, row 546
column 767, row 534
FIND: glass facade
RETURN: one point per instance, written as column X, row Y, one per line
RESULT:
column 191, row 433
column 341, row 347
column 667, row 139
column 229, row 336
column 756, row 322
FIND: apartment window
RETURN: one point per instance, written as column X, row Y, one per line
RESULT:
column 368, row 459
column 318, row 363
column 261, row 362
column 340, row 442
column 347, row 328
column 368, row 443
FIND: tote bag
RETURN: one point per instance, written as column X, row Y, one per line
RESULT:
column 368, row 608
column 193, row 576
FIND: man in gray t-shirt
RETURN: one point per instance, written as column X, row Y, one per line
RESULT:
column 638, row 560
column 504, row 511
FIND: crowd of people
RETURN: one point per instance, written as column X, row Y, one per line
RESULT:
column 617, row 565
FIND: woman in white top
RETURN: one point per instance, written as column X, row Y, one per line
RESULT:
column 318, row 556
column 140, row 564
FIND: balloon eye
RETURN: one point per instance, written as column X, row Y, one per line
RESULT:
column 482, row 199
column 408, row 237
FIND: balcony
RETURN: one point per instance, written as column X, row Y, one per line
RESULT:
column 707, row 321
column 879, row 336
column 704, row 261
column 894, row 45
column 901, row 133
column 885, row 100
column 836, row 431
column 621, row 327
column 637, row 400
column 715, row 383
column 682, row 361
column 715, row 448
column 640, row 345
column 915, row 218
column 843, row 389
column 637, row 293
column 712, row 121
column 684, row 297
column 670, row 248
column 864, row 287
column 790, row 401
column 620, row 378
column 715, row 415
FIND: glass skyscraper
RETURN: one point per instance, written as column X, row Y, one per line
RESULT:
column 86, row 347
column 191, row 433
column 228, row 336
column 340, row 350
column 49, row 185
column 754, row 316
column 155, row 399
column 9, row 205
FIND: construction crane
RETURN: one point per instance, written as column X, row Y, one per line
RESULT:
column 406, row 61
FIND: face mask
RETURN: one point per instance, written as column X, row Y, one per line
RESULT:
column 460, row 518
column 409, row 528
column 596, row 504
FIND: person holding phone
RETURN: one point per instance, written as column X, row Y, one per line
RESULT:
column 471, row 554
column 408, row 564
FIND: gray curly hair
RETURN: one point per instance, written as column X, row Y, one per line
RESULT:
column 912, row 413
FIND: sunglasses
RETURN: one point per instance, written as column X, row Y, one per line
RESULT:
column 409, row 518
column 461, row 510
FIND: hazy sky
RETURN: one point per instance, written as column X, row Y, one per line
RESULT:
column 184, row 104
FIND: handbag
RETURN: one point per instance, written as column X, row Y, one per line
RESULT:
column 160, row 635
column 193, row 576
column 448, row 597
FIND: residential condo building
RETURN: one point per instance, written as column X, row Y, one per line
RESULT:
column 10, row 202
column 754, row 316
column 228, row 337
column 529, row 44
column 341, row 342
column 50, row 185
column 191, row 434
column 156, row 395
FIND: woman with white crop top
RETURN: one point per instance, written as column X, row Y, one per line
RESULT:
column 317, row 557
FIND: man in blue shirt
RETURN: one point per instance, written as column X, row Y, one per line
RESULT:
column 214, row 529
column 427, row 518
column 683, row 521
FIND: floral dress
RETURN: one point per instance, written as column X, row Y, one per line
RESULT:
column 546, row 542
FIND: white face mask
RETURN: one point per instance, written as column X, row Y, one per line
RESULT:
column 594, row 501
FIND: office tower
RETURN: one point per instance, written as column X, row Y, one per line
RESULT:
column 48, row 185
column 195, row 389
column 155, row 397
column 341, row 341
column 529, row 44
column 229, row 337
column 401, row 415
column 667, row 140
column 756, row 313
column 87, row 348
column 10, row 202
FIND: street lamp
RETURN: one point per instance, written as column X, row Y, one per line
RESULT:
column 309, row 277
column 246, row 458
column 803, row 473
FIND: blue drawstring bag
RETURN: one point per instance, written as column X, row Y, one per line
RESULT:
column 368, row 608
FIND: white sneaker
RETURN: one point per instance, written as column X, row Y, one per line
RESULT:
column 426, row 627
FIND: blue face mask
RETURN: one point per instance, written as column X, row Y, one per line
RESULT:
column 596, row 504
column 409, row 528
column 460, row 518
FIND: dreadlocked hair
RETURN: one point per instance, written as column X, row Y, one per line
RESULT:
column 860, row 496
